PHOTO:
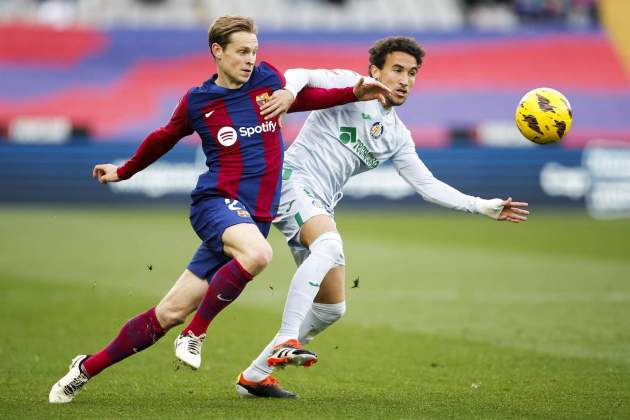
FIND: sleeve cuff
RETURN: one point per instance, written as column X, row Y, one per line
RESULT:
column 491, row 208
column 122, row 173
column 293, row 90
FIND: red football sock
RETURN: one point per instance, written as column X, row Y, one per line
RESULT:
column 226, row 285
column 136, row 335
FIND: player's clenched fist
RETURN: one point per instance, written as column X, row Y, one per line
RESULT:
column 105, row 172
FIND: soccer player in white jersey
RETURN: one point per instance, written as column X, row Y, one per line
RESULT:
column 333, row 145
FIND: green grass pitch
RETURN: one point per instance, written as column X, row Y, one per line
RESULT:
column 455, row 316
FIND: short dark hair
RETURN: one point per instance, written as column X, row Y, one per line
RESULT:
column 382, row 47
column 224, row 26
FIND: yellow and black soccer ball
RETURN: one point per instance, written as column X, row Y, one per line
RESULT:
column 544, row 116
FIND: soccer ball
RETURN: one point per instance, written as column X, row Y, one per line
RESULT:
column 543, row 115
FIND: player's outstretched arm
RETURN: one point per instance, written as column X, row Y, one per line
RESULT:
column 154, row 146
column 308, row 90
column 420, row 178
column 105, row 173
column 309, row 99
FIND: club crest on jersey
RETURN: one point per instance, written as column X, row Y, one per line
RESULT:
column 227, row 136
column 262, row 99
column 243, row 213
column 377, row 130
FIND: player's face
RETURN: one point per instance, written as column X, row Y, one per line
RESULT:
column 398, row 74
column 235, row 62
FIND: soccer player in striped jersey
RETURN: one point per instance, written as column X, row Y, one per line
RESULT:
column 236, row 116
column 334, row 145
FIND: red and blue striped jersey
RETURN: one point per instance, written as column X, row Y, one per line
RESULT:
column 244, row 153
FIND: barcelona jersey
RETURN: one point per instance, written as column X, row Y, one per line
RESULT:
column 244, row 152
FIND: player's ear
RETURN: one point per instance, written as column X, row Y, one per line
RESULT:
column 217, row 50
column 375, row 72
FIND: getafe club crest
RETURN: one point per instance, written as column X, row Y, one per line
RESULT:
column 262, row 99
column 377, row 130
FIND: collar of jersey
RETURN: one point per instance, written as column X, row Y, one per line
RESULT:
column 211, row 83
column 385, row 111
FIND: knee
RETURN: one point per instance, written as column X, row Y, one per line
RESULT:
column 329, row 245
column 169, row 315
column 257, row 258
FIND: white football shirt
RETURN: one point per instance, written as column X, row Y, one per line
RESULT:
column 337, row 143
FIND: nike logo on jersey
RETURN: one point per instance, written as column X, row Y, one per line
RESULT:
column 223, row 299
column 207, row 114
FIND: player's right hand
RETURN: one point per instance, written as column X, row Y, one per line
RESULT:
column 277, row 105
column 105, row 172
column 368, row 89
column 503, row 210
column 513, row 211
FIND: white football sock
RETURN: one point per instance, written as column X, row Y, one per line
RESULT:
column 259, row 369
column 320, row 317
column 326, row 252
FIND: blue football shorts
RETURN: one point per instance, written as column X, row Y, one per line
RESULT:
column 209, row 218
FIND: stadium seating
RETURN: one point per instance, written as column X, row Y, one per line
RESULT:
column 121, row 83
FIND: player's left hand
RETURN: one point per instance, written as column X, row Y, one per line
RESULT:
column 368, row 89
column 513, row 211
column 277, row 105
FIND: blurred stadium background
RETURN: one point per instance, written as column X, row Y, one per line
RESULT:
column 529, row 321
column 85, row 81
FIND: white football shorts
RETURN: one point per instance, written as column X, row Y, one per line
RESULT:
column 299, row 202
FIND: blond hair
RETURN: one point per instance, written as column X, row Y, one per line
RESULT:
column 224, row 26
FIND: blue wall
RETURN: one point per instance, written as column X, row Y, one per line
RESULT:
column 40, row 174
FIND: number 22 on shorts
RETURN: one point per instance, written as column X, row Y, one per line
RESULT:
column 235, row 206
